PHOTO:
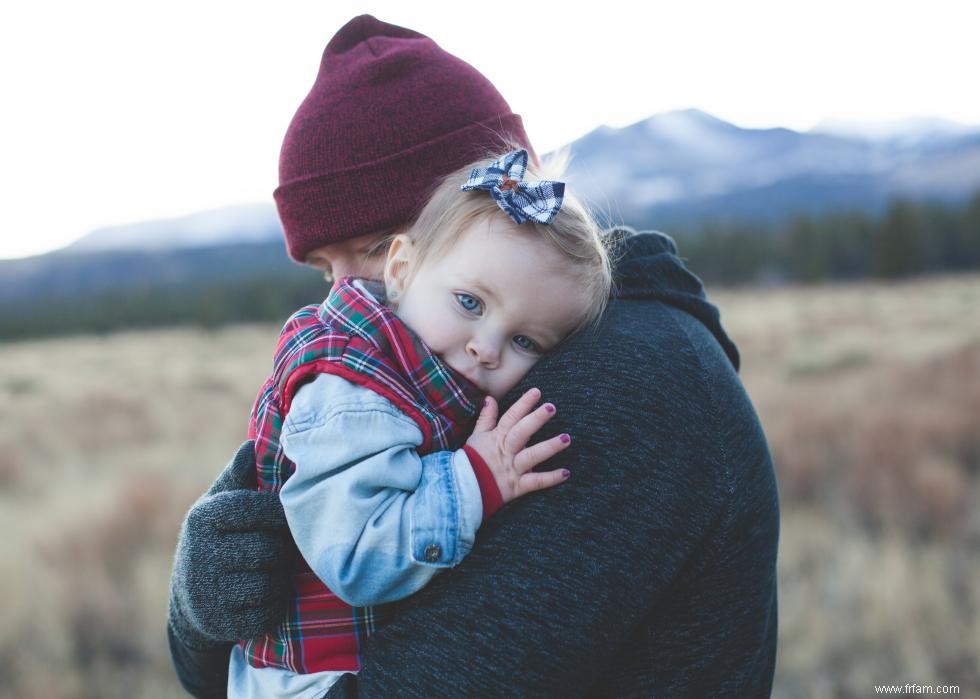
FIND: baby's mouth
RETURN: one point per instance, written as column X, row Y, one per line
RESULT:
column 473, row 381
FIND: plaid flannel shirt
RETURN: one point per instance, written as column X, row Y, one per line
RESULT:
column 353, row 336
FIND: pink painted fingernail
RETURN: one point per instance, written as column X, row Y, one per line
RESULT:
column 565, row 439
column 549, row 407
column 486, row 402
column 565, row 473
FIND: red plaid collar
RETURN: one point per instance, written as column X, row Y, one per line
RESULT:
column 356, row 306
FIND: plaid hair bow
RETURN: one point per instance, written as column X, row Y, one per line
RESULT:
column 522, row 201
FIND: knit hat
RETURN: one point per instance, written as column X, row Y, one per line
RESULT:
column 389, row 114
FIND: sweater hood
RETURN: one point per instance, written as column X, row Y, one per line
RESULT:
column 647, row 268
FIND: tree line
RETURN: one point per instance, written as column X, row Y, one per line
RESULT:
column 208, row 305
column 908, row 239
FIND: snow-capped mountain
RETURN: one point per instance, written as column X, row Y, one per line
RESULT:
column 686, row 168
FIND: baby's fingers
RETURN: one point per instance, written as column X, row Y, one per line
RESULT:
column 540, row 452
column 521, row 407
column 521, row 433
column 488, row 416
column 532, row 481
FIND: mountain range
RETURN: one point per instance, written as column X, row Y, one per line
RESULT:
column 246, row 223
column 681, row 170
column 676, row 171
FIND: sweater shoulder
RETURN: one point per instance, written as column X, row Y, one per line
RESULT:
column 667, row 388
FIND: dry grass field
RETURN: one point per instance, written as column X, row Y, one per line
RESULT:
column 870, row 396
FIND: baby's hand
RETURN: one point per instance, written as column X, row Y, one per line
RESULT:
column 502, row 445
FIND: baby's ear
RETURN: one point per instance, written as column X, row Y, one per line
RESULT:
column 398, row 265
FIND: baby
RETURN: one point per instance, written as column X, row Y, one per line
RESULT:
column 366, row 426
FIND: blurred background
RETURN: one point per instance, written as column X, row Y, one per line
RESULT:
column 817, row 164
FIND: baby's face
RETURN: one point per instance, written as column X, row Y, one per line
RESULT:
column 492, row 306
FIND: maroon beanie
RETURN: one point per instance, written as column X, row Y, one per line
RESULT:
column 389, row 114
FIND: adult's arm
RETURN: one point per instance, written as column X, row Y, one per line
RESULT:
column 559, row 582
column 202, row 672
column 230, row 575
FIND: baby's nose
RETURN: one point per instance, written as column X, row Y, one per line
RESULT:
column 484, row 351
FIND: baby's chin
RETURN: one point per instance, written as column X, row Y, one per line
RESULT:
column 466, row 376
column 496, row 394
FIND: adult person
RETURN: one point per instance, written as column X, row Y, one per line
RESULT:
column 650, row 572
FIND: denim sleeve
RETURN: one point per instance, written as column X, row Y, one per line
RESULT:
column 374, row 520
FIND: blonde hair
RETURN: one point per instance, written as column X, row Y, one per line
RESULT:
column 573, row 232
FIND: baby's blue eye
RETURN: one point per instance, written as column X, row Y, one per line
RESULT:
column 471, row 304
column 526, row 343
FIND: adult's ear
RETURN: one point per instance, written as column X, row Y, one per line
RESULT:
column 398, row 266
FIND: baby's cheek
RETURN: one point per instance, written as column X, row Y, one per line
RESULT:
column 522, row 370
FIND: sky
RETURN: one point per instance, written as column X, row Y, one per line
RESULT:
column 117, row 112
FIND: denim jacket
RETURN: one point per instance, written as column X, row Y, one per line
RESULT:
column 373, row 519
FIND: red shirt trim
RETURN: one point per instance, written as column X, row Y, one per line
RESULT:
column 489, row 492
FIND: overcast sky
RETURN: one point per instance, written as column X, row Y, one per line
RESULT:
column 125, row 111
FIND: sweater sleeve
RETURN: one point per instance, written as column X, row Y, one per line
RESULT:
column 202, row 673
column 374, row 520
